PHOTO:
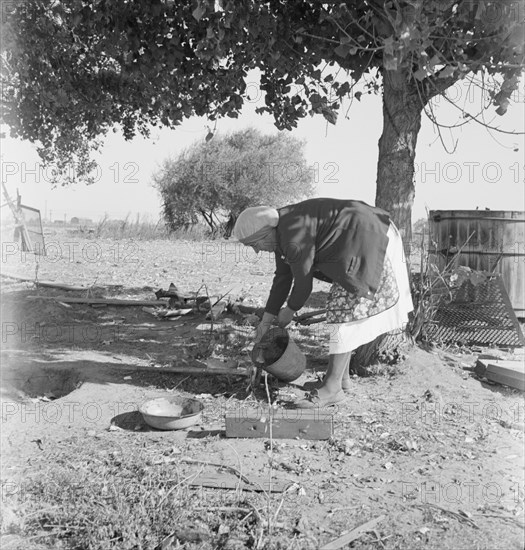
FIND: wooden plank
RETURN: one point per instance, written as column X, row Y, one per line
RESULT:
column 286, row 423
column 108, row 302
column 483, row 362
column 229, row 481
column 515, row 365
column 353, row 535
column 46, row 284
column 508, row 373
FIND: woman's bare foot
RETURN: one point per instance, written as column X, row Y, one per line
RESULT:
column 346, row 383
column 322, row 397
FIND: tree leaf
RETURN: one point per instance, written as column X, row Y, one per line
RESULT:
column 447, row 71
column 436, row 60
column 389, row 45
column 198, row 12
column 390, row 63
column 315, row 99
column 329, row 115
column 342, row 50
column 502, row 109
column 343, row 89
column 420, row 74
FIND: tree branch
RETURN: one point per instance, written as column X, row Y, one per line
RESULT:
column 332, row 41
column 474, row 117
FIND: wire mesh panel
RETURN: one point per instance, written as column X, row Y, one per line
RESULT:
column 33, row 225
column 478, row 314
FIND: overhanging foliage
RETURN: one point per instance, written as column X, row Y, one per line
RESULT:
column 73, row 70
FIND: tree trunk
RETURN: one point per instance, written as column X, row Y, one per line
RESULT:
column 208, row 218
column 402, row 108
column 397, row 149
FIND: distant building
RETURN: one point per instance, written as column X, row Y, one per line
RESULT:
column 81, row 221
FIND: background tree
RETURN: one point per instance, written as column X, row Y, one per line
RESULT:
column 73, row 70
column 421, row 226
column 214, row 181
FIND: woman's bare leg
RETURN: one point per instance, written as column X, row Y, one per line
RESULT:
column 337, row 370
column 346, row 381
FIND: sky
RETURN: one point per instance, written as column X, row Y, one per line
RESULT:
column 473, row 168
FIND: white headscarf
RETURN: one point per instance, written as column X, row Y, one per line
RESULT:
column 255, row 223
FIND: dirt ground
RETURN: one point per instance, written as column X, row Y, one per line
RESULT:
column 426, row 446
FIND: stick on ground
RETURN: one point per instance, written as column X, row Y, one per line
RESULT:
column 353, row 535
column 108, row 302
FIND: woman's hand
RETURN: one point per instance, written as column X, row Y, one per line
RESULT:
column 285, row 316
column 263, row 326
column 260, row 331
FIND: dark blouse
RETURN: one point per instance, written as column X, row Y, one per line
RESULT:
column 341, row 241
